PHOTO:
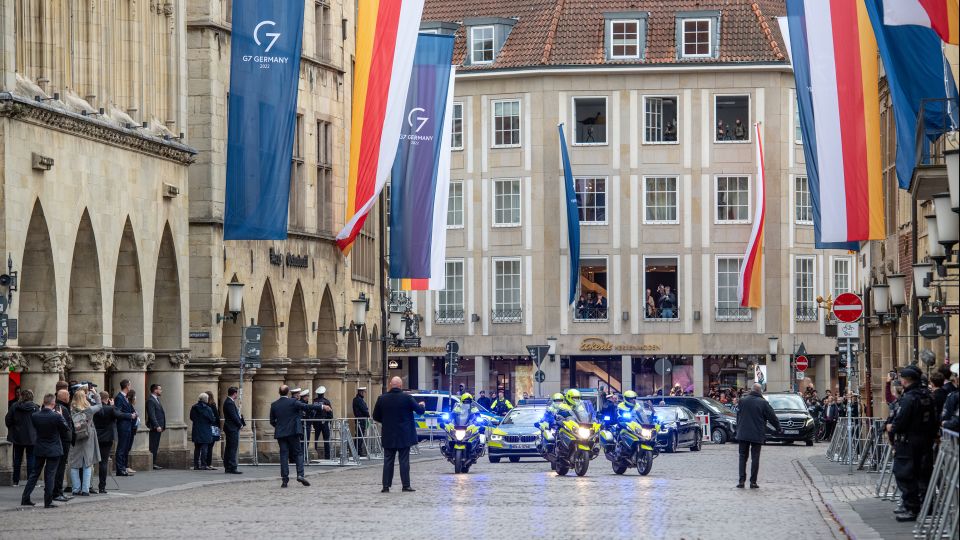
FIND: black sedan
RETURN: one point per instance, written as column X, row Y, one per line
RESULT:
column 678, row 429
column 796, row 424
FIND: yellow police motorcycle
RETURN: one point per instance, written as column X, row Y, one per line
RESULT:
column 632, row 445
column 574, row 443
column 466, row 442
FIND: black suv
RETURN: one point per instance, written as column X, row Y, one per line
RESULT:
column 796, row 424
column 723, row 422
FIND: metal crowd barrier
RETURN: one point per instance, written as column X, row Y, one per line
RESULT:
column 887, row 485
column 868, row 441
column 940, row 512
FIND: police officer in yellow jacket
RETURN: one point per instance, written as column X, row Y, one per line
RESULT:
column 501, row 406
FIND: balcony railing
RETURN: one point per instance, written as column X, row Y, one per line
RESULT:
column 725, row 314
column 507, row 315
column 399, row 301
column 662, row 314
column 936, row 131
column 590, row 314
column 806, row 313
column 449, row 316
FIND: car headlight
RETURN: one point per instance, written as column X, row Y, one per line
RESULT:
column 460, row 434
column 583, row 433
column 646, row 433
column 496, row 437
column 809, row 421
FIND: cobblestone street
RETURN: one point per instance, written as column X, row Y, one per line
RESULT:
column 687, row 495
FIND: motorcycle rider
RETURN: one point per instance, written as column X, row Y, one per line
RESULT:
column 556, row 408
column 466, row 404
column 637, row 411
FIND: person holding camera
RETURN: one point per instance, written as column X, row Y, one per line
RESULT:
column 105, row 422
column 86, row 450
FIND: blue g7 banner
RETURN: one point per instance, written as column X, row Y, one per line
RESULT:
column 264, row 75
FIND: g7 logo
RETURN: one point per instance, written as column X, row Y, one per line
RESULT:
column 274, row 35
column 422, row 119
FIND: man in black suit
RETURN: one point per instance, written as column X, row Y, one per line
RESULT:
column 52, row 429
column 752, row 417
column 156, row 421
column 105, row 420
column 62, row 407
column 124, row 428
column 286, row 416
column 232, row 423
column 395, row 410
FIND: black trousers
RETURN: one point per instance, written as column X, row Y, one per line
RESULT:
column 321, row 428
column 912, row 467
column 18, row 451
column 61, row 472
column 209, row 455
column 124, row 442
column 155, row 444
column 102, row 468
column 49, row 466
column 389, row 454
column 290, row 449
column 751, row 450
column 230, row 446
column 200, row 455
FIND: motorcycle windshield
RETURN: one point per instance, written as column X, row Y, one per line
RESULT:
column 462, row 418
column 581, row 416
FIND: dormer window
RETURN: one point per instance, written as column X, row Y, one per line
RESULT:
column 481, row 45
column 698, row 34
column 625, row 35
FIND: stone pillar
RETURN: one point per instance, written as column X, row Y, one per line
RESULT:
column 6, row 449
column 424, row 373
column 626, row 372
column 481, row 374
column 91, row 366
column 167, row 371
column 698, row 375
column 552, row 375
column 42, row 371
column 822, row 378
column 133, row 367
column 265, row 385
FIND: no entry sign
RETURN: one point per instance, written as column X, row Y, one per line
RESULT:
column 802, row 363
column 848, row 307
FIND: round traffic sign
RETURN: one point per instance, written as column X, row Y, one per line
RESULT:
column 848, row 307
column 802, row 363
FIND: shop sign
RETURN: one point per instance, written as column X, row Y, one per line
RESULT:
column 592, row 344
column 292, row 260
column 395, row 349
column 393, row 364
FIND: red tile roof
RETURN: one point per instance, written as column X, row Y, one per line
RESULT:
column 571, row 32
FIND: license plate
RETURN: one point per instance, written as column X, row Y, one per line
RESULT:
column 523, row 446
column 791, row 431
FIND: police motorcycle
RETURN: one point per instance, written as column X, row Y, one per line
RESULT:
column 571, row 440
column 466, row 440
column 630, row 439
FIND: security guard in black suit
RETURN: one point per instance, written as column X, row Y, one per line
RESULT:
column 914, row 428
column 48, row 451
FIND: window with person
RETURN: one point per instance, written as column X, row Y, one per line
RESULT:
column 507, row 300
column 661, row 297
column 624, row 39
column 456, row 141
column 455, row 206
column 450, row 299
column 506, row 202
column 592, row 303
column 592, row 199
column 659, row 119
column 803, row 291
column 481, row 45
column 660, row 199
column 728, row 299
column 506, row 123
column 733, row 199
column 591, row 117
column 803, row 203
column 732, row 118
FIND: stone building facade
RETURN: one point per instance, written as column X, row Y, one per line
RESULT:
column 299, row 290
column 94, row 212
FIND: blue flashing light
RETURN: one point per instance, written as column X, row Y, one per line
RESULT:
column 606, row 418
column 627, row 415
column 445, row 416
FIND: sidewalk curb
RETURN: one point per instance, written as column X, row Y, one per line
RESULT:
column 851, row 524
column 328, row 469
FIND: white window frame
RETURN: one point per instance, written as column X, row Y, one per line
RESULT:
column 493, row 288
column 797, row 133
column 683, row 37
column 643, row 112
column 610, row 25
column 796, row 285
column 460, row 207
column 606, row 116
column 453, row 123
column 606, row 207
column 747, row 122
column 834, row 259
column 716, row 200
column 493, row 123
column 606, row 264
column 643, row 287
column 493, row 194
column 643, row 200
column 796, row 201
column 473, row 42
column 451, row 306
column 716, row 291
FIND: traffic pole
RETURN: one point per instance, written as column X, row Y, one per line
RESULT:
column 849, row 406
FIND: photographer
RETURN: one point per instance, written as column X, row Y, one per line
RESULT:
column 86, row 450
column 105, row 422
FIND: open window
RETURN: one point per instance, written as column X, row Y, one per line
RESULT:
column 732, row 118
column 659, row 119
column 661, row 295
column 593, row 301
column 591, row 116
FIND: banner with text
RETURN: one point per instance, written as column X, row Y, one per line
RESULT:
column 264, row 76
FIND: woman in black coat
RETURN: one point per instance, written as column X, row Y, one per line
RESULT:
column 203, row 420
column 21, row 433
column 212, row 403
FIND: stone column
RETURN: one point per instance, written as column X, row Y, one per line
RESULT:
column 424, row 373
column 552, row 375
column 626, row 372
column 167, row 371
column 822, row 379
column 481, row 373
column 42, row 371
column 6, row 449
column 698, row 389
column 91, row 366
column 133, row 367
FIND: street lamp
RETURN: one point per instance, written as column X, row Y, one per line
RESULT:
column 774, row 347
column 948, row 221
column 952, row 158
column 360, row 307
column 920, row 283
column 552, row 343
column 234, row 302
column 898, row 295
column 881, row 298
column 934, row 249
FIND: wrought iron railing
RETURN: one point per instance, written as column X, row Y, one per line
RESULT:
column 590, row 314
column 662, row 314
column 449, row 316
column 399, row 302
column 733, row 314
column 507, row 315
column 806, row 313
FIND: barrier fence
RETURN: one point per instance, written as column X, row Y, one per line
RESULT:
column 939, row 514
column 869, row 442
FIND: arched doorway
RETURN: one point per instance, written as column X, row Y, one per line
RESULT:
column 85, row 308
column 38, row 285
column 128, row 294
column 327, row 327
column 375, row 354
column 353, row 358
column 167, row 331
column 297, row 326
column 364, row 346
column 267, row 318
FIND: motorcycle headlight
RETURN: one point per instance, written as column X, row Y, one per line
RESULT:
column 646, row 433
column 583, row 433
column 496, row 437
column 460, row 434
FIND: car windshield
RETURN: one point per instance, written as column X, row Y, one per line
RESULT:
column 429, row 402
column 523, row 416
column 716, row 406
column 665, row 414
column 788, row 402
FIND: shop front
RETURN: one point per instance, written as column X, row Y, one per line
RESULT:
column 651, row 378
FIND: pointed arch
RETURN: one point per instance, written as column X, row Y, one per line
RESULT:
column 327, row 327
column 38, row 285
column 297, row 326
column 375, row 354
column 85, row 307
column 353, row 357
column 232, row 331
column 267, row 318
column 167, row 330
column 128, row 294
column 364, row 346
